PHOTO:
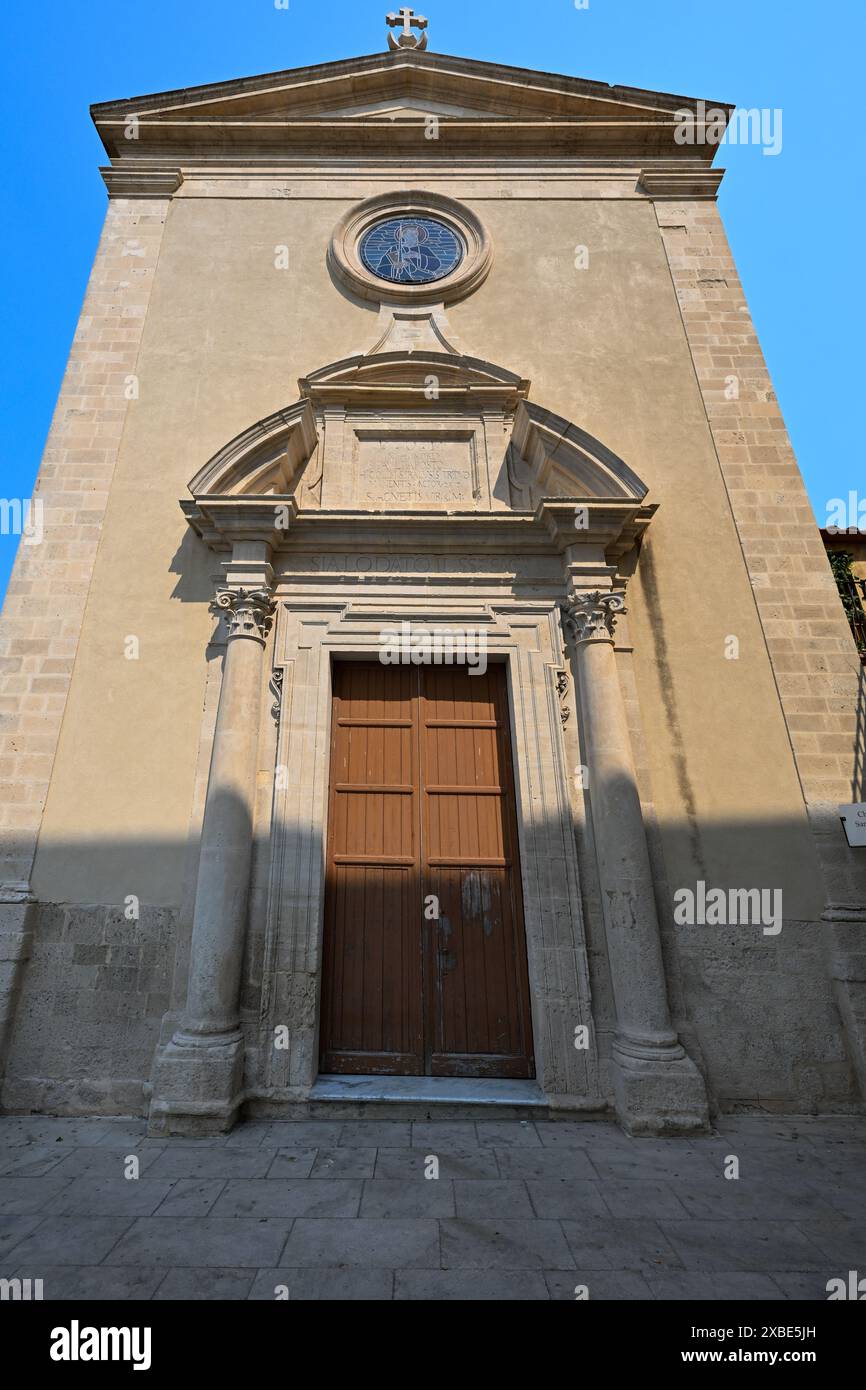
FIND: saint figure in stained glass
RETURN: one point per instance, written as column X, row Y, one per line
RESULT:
column 411, row 250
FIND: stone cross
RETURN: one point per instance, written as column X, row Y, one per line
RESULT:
column 409, row 21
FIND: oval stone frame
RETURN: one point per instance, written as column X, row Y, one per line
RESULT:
column 344, row 257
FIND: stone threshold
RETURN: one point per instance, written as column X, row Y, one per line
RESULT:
column 436, row 1090
column 427, row 1097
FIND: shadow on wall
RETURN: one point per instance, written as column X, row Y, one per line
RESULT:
column 752, row 997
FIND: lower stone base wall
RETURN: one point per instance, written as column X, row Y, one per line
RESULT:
column 90, row 1002
column 92, row 996
column 764, row 1013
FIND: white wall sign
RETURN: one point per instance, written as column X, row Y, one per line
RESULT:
column 854, row 821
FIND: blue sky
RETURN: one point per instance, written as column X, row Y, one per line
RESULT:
column 794, row 219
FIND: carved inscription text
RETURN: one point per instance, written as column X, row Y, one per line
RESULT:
column 395, row 472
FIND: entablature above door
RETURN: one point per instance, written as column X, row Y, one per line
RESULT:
column 402, row 439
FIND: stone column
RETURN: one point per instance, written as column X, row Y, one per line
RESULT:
column 657, row 1087
column 198, row 1076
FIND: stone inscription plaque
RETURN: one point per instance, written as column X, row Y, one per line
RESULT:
column 412, row 472
column 541, row 567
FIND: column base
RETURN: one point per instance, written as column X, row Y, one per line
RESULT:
column 197, row 1086
column 660, row 1095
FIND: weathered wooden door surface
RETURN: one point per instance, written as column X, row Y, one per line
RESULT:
column 424, row 968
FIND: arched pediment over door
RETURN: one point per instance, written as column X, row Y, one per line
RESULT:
column 408, row 433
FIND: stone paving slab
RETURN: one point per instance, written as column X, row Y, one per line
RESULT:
column 300, row 1134
column 524, row 1162
column 99, row 1162
column 505, row 1244
column 381, row 1243
column 349, row 1210
column 24, row 1196
column 113, row 1196
column 733, row 1245
column 200, row 1285
column 635, row 1199
column 667, row 1285
column 212, row 1241
column 30, row 1160
column 314, row 1285
column 613, row 1242
column 39, row 1129
column 760, row 1199
column 261, row 1198
column 13, row 1230
column 191, row 1197
column 460, row 1285
column 501, row 1197
column 376, row 1134
column 505, row 1133
column 402, row 1197
column 600, row 1285
column 838, row 1240
column 83, row 1282
column 337, row 1163
column 193, row 1161
column 463, row 1163
column 453, row 1134
column 68, row 1240
column 563, row 1197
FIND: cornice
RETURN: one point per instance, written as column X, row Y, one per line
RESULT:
column 224, row 521
column 384, row 102
column 611, row 526
column 691, row 183
column 132, row 182
column 400, row 73
column 340, row 177
column 479, row 396
column 615, row 525
column 178, row 139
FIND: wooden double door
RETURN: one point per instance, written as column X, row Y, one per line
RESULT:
column 424, row 962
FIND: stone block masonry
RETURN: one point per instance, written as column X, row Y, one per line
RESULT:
column 85, row 1030
column 45, row 602
column 44, row 609
column 818, row 674
column 807, row 634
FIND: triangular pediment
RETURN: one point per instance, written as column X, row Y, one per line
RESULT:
column 408, row 108
column 481, row 105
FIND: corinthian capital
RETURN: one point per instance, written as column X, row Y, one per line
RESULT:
column 592, row 617
column 248, row 612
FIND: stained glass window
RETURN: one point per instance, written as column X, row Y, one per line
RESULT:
column 411, row 250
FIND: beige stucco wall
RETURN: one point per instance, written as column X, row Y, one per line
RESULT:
column 225, row 339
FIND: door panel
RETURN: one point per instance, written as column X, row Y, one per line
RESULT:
column 422, row 807
column 371, row 977
column 478, row 1002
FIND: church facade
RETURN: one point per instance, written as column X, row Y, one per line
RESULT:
column 430, row 688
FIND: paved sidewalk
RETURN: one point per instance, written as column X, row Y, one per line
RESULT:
column 343, row 1210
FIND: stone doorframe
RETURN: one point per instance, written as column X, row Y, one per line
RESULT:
column 211, row 1065
column 310, row 636
column 556, row 494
